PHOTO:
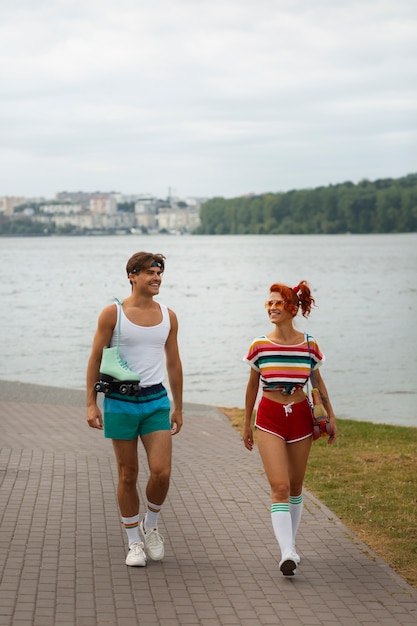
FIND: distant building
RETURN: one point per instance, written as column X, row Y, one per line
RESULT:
column 76, row 197
column 145, row 213
column 169, row 215
column 179, row 218
column 108, row 211
column 103, row 203
column 8, row 204
column 61, row 209
column 86, row 220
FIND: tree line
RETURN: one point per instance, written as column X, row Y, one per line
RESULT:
column 383, row 206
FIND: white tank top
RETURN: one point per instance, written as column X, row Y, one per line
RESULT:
column 143, row 347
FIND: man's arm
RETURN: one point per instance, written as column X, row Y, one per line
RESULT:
column 102, row 337
column 174, row 370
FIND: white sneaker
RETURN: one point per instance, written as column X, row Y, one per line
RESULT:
column 154, row 542
column 136, row 556
column 288, row 564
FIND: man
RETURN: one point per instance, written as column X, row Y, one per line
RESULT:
column 144, row 331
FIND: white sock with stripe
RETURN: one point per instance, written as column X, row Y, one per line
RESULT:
column 131, row 527
column 296, row 510
column 282, row 525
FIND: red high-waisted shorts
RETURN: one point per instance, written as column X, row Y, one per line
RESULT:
column 291, row 424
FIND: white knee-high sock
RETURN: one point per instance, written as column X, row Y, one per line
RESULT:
column 131, row 528
column 282, row 525
column 296, row 510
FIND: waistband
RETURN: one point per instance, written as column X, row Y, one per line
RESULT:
column 143, row 394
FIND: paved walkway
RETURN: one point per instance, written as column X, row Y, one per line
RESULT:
column 62, row 547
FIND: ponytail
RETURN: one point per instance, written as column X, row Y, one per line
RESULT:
column 305, row 299
column 296, row 297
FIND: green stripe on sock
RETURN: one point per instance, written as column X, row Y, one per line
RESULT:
column 296, row 499
column 280, row 507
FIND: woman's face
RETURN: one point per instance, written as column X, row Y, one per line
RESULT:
column 275, row 307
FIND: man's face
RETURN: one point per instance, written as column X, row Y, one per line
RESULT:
column 148, row 280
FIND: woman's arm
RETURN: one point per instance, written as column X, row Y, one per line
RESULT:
column 250, row 399
column 327, row 405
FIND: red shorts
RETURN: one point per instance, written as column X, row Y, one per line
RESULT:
column 291, row 422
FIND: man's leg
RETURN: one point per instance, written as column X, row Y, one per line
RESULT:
column 158, row 447
column 128, row 497
column 128, row 468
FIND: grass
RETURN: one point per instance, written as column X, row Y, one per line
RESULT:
column 368, row 478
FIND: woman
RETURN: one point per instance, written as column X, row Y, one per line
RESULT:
column 282, row 362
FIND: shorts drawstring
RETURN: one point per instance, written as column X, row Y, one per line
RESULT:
column 287, row 408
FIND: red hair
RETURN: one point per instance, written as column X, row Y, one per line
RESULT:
column 295, row 297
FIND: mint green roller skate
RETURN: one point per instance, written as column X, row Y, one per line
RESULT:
column 115, row 374
column 113, row 366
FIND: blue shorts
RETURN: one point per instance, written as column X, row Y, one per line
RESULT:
column 128, row 417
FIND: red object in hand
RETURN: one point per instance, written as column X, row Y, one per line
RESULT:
column 321, row 421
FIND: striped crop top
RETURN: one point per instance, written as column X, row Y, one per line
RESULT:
column 285, row 367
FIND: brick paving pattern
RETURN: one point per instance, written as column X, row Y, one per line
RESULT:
column 62, row 546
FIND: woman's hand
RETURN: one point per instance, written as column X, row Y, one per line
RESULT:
column 328, row 406
column 248, row 437
column 333, row 429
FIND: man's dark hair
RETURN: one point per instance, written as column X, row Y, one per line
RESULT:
column 144, row 260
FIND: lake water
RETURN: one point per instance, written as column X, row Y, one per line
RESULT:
column 52, row 290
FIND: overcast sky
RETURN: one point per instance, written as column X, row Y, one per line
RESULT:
column 205, row 97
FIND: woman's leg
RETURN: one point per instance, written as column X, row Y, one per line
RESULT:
column 273, row 452
column 298, row 454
